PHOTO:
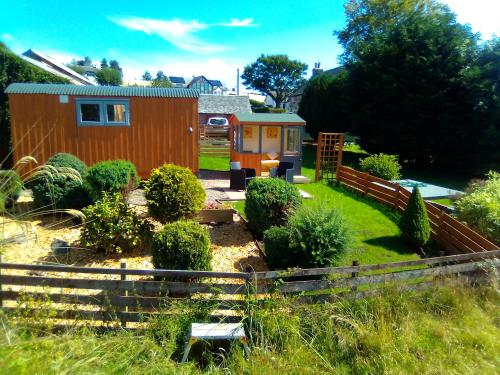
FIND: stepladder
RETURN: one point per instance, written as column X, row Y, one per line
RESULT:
column 213, row 332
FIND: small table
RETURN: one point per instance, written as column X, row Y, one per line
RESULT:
column 216, row 331
column 268, row 164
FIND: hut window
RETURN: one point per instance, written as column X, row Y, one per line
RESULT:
column 292, row 140
column 102, row 112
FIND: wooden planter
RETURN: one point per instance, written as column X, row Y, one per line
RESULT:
column 219, row 215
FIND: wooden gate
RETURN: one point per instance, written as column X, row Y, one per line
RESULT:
column 328, row 155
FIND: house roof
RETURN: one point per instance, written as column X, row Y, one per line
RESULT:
column 61, row 89
column 269, row 118
column 176, row 79
column 224, row 104
column 215, row 83
column 48, row 64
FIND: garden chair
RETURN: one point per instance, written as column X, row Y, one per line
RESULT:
column 239, row 178
column 283, row 170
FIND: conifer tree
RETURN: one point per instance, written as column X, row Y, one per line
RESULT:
column 414, row 224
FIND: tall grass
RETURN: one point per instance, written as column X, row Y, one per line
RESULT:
column 448, row 329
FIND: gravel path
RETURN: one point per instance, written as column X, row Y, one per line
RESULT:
column 213, row 182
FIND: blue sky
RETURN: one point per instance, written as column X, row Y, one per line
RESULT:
column 188, row 38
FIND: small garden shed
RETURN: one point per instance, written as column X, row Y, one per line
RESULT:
column 261, row 140
column 147, row 126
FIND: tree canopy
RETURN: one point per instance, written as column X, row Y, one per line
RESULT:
column 416, row 84
column 108, row 77
column 161, row 80
column 275, row 75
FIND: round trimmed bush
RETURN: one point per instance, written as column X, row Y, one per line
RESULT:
column 277, row 248
column 382, row 165
column 183, row 245
column 63, row 187
column 269, row 202
column 111, row 176
column 11, row 186
column 173, row 193
column 110, row 226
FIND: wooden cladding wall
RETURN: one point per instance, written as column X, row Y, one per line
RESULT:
column 454, row 236
column 158, row 132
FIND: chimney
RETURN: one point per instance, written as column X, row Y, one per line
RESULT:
column 316, row 70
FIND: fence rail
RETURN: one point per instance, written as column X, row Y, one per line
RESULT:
column 453, row 235
column 87, row 294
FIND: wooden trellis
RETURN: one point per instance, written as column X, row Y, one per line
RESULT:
column 328, row 155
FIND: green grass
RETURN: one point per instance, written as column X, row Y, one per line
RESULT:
column 214, row 163
column 450, row 329
column 443, row 201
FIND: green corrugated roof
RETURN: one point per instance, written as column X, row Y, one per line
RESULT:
column 288, row 118
column 84, row 90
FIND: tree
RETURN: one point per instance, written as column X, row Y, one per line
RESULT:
column 414, row 224
column 108, row 77
column 87, row 61
column 161, row 80
column 275, row 75
column 104, row 63
column 147, row 76
column 15, row 69
column 113, row 64
column 409, row 81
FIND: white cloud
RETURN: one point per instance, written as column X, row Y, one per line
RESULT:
column 6, row 37
column 482, row 15
column 235, row 22
column 178, row 32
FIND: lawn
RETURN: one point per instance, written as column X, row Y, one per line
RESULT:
column 214, row 163
column 374, row 228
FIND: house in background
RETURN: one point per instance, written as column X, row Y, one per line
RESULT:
column 148, row 126
column 177, row 81
column 221, row 106
column 48, row 64
column 207, row 86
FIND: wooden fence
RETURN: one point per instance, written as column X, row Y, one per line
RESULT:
column 121, row 295
column 214, row 147
column 453, row 235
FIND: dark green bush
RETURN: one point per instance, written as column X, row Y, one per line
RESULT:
column 382, row 165
column 62, row 187
column 110, row 226
column 319, row 236
column 182, row 245
column 11, row 186
column 111, row 176
column 269, row 202
column 173, row 193
column 277, row 248
column 414, row 223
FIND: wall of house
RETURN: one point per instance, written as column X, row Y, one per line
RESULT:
column 271, row 144
column 158, row 132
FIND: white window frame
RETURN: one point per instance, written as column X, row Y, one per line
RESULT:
column 102, row 111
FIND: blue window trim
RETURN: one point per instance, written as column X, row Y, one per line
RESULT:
column 102, row 111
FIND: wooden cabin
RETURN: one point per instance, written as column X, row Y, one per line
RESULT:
column 261, row 140
column 147, row 126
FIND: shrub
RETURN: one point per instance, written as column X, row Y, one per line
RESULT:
column 414, row 223
column 480, row 208
column 182, row 245
column 112, row 176
column 62, row 187
column 277, row 248
column 269, row 202
column 110, row 226
column 173, row 192
column 382, row 165
column 11, row 186
column 319, row 236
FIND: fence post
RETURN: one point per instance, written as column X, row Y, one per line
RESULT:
column 396, row 196
column 355, row 263
column 1, row 292
column 123, row 277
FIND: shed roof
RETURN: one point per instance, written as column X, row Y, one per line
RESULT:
column 224, row 104
column 269, row 118
column 61, row 89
